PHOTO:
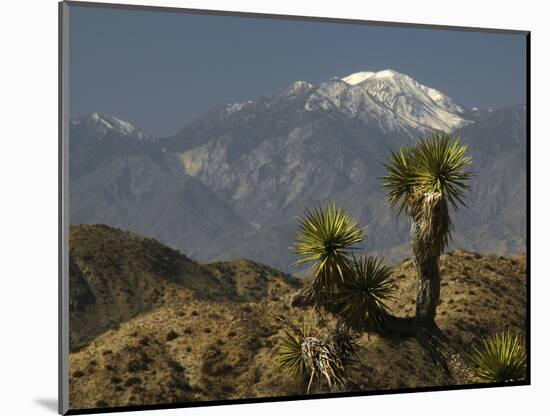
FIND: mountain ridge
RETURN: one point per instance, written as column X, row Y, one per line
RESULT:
column 250, row 169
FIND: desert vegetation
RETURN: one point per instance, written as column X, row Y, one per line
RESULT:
column 425, row 182
column 223, row 341
column 501, row 358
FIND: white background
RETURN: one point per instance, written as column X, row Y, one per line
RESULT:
column 28, row 205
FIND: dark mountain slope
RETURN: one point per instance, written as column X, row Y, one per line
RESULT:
column 117, row 275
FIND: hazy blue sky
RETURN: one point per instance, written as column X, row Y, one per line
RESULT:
column 159, row 70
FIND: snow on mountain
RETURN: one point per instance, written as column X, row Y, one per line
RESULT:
column 297, row 88
column 103, row 124
column 392, row 99
column 358, row 77
column 232, row 108
column 357, row 102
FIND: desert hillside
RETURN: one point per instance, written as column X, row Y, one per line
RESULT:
column 117, row 275
column 149, row 325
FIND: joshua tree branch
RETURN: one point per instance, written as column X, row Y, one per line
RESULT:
column 422, row 327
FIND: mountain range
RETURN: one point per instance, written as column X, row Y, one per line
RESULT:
column 233, row 182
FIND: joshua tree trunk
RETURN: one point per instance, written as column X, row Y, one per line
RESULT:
column 429, row 235
column 427, row 296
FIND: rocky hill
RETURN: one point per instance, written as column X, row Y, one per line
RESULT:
column 116, row 275
column 173, row 330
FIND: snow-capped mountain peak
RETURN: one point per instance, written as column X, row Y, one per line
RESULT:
column 387, row 99
column 359, row 77
column 103, row 123
column 388, row 73
column 391, row 100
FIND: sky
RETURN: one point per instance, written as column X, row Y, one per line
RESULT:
column 160, row 70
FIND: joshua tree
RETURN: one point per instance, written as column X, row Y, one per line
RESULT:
column 352, row 289
column 425, row 180
column 327, row 238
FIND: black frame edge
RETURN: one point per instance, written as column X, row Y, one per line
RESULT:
column 60, row 401
column 63, row 278
column 212, row 403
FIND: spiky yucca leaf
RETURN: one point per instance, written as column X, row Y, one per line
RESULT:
column 501, row 358
column 345, row 342
column 400, row 180
column 440, row 163
column 290, row 358
column 326, row 237
column 361, row 298
column 436, row 164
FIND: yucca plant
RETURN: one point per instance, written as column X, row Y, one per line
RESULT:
column 327, row 237
column 345, row 343
column 423, row 180
column 352, row 289
column 361, row 298
column 315, row 359
column 323, row 363
column 501, row 358
column 290, row 358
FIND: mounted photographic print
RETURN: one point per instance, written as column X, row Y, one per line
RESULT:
column 264, row 208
